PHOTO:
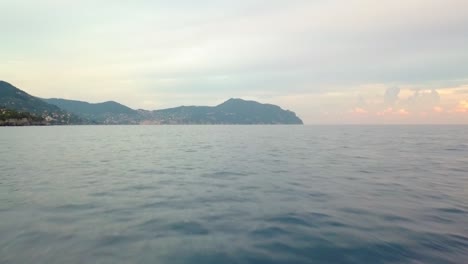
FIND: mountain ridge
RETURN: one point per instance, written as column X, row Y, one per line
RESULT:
column 15, row 99
column 231, row 111
column 108, row 112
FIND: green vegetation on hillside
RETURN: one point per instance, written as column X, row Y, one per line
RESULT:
column 6, row 114
column 103, row 113
column 15, row 99
column 10, row 117
column 233, row 111
column 70, row 112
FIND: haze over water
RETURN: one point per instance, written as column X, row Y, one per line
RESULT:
column 234, row 194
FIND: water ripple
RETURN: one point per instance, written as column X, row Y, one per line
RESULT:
column 234, row 194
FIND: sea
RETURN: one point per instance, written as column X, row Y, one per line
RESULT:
column 234, row 194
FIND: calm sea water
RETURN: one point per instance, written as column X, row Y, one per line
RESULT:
column 234, row 194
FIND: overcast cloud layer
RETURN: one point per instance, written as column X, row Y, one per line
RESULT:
column 354, row 61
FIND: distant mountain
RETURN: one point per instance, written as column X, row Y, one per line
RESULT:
column 239, row 111
column 233, row 111
column 62, row 111
column 18, row 100
column 106, row 113
column 14, row 98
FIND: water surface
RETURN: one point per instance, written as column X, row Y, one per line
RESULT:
column 234, row 194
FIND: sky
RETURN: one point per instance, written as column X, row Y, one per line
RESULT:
column 332, row 62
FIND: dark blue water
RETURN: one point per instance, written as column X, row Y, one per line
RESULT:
column 234, row 194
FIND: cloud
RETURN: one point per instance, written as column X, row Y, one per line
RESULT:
column 438, row 109
column 391, row 95
column 462, row 91
column 165, row 53
column 423, row 100
column 462, row 107
column 359, row 111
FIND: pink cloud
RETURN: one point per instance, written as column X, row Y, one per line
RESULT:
column 359, row 111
